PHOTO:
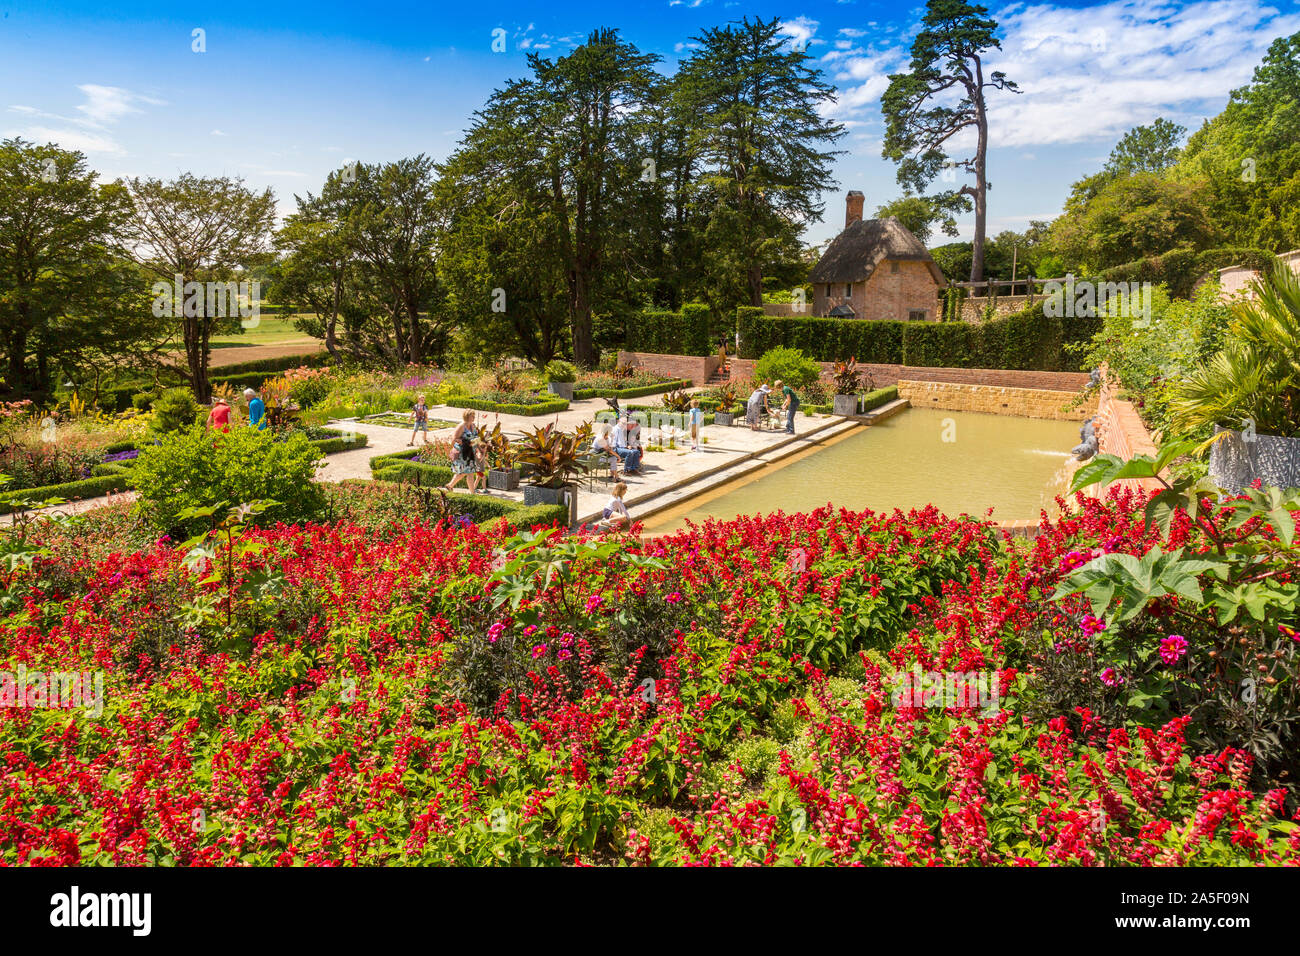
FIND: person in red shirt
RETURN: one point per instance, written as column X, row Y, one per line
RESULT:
column 219, row 417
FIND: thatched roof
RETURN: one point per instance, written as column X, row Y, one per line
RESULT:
column 854, row 254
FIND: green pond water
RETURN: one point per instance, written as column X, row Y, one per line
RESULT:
column 1014, row 465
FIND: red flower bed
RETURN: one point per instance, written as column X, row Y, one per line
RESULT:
column 345, row 699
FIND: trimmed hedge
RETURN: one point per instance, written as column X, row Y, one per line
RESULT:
column 881, row 396
column 414, row 473
column 634, row 392
column 481, row 508
column 391, row 458
column 1181, row 269
column 1028, row 339
column 695, row 330
column 548, row 407
column 240, row 375
column 531, row 517
column 278, row 364
column 92, row 487
column 330, row 446
column 111, row 468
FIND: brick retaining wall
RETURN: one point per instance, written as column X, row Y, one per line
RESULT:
column 1120, row 432
column 694, row 368
column 882, row 375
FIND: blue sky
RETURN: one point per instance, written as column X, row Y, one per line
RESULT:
column 287, row 91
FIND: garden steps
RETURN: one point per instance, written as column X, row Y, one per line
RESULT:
column 665, row 496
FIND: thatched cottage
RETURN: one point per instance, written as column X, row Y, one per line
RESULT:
column 876, row 269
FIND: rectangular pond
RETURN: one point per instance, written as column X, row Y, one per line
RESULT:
column 961, row 462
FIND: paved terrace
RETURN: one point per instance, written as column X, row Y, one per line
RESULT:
column 667, row 477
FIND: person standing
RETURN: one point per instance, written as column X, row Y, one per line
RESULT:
column 256, row 410
column 219, row 417
column 791, row 405
column 420, row 414
column 697, row 423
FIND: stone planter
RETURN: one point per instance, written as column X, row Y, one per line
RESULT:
column 537, row 495
column 1236, row 462
column 562, row 389
column 501, row 479
column 723, row 418
column 845, row 405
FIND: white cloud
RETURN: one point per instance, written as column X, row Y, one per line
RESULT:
column 108, row 104
column 1093, row 73
column 1090, row 74
column 73, row 139
column 87, row 129
column 801, row 31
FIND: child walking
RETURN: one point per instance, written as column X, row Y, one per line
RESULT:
column 420, row 414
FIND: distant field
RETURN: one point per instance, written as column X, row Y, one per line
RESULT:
column 271, row 330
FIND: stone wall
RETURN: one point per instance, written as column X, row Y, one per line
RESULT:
column 972, row 309
column 996, row 400
column 694, row 368
column 883, row 375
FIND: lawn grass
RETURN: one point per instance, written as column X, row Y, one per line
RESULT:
column 270, row 330
column 399, row 420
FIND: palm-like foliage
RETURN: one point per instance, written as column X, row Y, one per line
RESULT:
column 1256, row 377
column 556, row 457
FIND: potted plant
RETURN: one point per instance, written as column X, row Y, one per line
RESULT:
column 560, row 376
column 726, row 413
column 504, row 473
column 556, row 460
column 847, row 382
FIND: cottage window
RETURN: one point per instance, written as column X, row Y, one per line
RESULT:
column 893, row 267
column 916, row 315
column 848, row 290
column 828, row 290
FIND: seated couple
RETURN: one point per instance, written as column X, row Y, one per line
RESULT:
column 622, row 444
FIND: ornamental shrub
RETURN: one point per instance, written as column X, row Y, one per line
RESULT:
column 561, row 371
column 789, row 365
column 194, row 468
column 175, row 410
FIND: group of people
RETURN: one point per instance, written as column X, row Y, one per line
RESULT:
column 758, row 405
column 219, row 417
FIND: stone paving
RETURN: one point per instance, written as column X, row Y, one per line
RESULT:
column 667, row 477
column 730, row 451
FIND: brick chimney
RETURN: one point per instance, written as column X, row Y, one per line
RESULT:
column 853, row 208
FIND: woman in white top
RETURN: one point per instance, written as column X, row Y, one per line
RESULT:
column 615, row 511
